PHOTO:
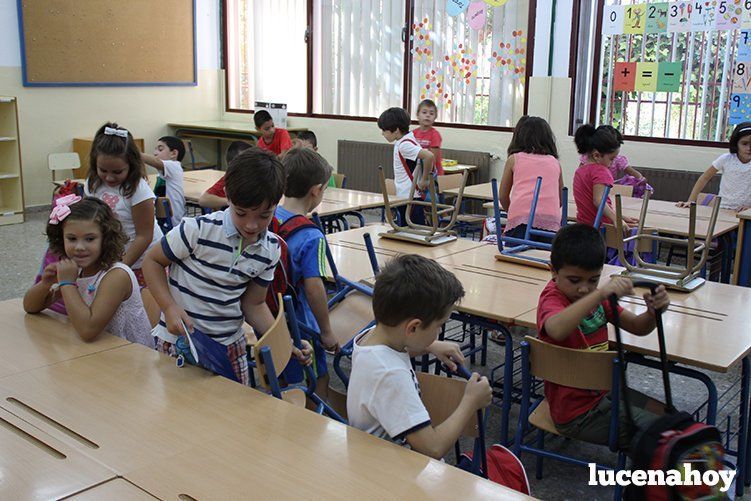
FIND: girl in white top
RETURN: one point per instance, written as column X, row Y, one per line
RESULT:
column 117, row 177
column 100, row 293
column 735, row 167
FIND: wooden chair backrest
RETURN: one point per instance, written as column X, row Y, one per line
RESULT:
column 350, row 316
column 151, row 306
column 441, row 397
column 391, row 187
column 63, row 161
column 279, row 342
column 449, row 182
column 622, row 190
column 611, row 239
column 583, row 369
column 339, row 179
column 161, row 212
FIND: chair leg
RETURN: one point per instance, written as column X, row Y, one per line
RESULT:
column 484, row 352
column 472, row 346
column 540, row 445
column 670, row 256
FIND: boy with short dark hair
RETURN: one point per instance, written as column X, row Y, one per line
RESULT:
column 427, row 135
column 168, row 154
column 306, row 139
column 574, row 313
column 413, row 297
column 215, row 197
column 221, row 264
column 410, row 159
column 272, row 139
column 307, row 177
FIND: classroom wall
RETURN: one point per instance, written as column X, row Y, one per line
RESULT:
column 51, row 117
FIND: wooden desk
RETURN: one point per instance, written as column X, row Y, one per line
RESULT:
column 34, row 465
column 354, row 239
column 459, row 168
column 482, row 191
column 195, row 182
column 82, row 146
column 32, row 341
column 182, row 431
column 221, row 129
column 117, row 489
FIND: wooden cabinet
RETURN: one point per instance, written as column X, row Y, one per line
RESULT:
column 11, row 184
column 82, row 146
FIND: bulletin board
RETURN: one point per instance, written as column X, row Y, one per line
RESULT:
column 108, row 42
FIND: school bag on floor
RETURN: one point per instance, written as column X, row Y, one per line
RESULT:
column 499, row 464
column 282, row 273
column 671, row 440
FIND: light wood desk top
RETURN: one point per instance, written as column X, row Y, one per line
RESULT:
column 33, row 465
column 354, row 238
column 353, row 263
column 707, row 328
column 31, row 341
column 195, row 182
column 232, row 126
column 458, row 168
column 182, row 431
column 117, row 489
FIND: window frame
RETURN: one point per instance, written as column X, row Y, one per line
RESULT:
column 594, row 100
column 406, row 77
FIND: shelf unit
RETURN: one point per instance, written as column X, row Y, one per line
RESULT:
column 11, row 183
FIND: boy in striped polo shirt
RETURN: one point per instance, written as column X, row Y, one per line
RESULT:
column 221, row 264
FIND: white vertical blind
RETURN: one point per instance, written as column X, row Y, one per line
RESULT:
column 267, row 53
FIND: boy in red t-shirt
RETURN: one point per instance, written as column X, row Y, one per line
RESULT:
column 426, row 135
column 572, row 312
column 272, row 139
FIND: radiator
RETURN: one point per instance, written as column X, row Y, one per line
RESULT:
column 359, row 161
column 675, row 185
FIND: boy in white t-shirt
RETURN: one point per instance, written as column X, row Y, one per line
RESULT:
column 168, row 154
column 410, row 159
column 413, row 298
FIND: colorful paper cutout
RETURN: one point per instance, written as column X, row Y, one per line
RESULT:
column 657, row 18
column 624, row 76
column 741, row 79
column 744, row 46
column 701, row 14
column 740, row 109
column 456, row 7
column 728, row 15
column 495, row 3
column 678, row 17
column 669, row 77
column 634, row 18
column 612, row 20
column 476, row 15
column 646, row 77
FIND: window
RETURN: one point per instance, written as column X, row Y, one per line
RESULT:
column 369, row 55
column 696, row 107
column 473, row 65
column 266, row 53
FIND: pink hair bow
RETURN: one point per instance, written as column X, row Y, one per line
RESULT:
column 62, row 209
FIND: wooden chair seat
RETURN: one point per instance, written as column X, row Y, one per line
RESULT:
column 470, row 218
column 540, row 418
column 294, row 396
column 350, row 316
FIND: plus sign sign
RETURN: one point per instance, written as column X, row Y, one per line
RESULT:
column 625, row 72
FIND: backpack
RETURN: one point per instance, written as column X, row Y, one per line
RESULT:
column 499, row 464
column 282, row 273
column 673, row 439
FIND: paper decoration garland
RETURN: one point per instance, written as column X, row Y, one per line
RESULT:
column 676, row 17
column 456, row 7
column 476, row 15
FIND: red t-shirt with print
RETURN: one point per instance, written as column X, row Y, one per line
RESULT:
column 431, row 138
column 568, row 403
column 217, row 189
column 585, row 179
column 281, row 142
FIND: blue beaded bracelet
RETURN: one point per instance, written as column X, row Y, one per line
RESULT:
column 60, row 284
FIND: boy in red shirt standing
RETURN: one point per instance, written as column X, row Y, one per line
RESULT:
column 572, row 312
column 272, row 139
column 426, row 135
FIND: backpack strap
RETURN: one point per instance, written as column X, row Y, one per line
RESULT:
column 293, row 225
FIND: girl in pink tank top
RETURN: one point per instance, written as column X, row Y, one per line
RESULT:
column 531, row 154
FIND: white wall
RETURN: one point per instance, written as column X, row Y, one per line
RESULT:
column 51, row 117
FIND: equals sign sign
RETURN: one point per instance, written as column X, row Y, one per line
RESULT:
column 646, row 74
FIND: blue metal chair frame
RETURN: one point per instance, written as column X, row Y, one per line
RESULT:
column 165, row 223
column 322, row 407
column 527, row 407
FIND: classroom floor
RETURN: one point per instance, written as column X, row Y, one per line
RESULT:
column 23, row 245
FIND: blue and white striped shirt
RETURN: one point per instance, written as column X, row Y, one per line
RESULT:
column 210, row 273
